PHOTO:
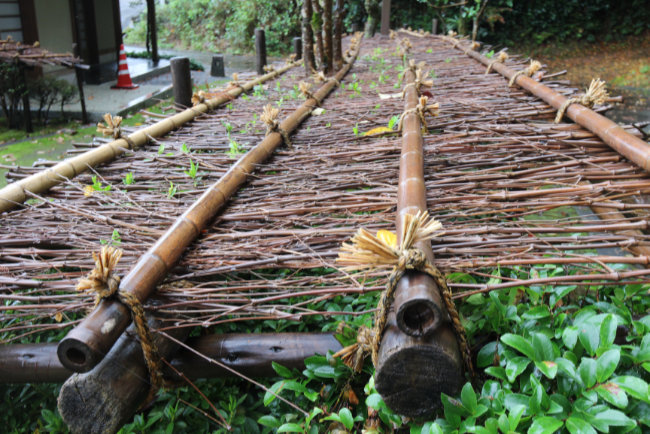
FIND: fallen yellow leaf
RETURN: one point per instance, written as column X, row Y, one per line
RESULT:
column 388, row 237
column 88, row 190
column 378, row 130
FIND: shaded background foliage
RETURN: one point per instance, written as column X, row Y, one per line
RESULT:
column 223, row 24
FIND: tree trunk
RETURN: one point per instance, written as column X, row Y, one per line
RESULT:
column 373, row 9
column 327, row 27
column 152, row 34
column 338, row 31
column 307, row 37
column 317, row 24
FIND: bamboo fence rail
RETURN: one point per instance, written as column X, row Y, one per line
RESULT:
column 509, row 186
column 18, row 192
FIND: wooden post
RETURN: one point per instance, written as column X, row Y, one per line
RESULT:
column 27, row 112
column 385, row 17
column 80, row 85
column 297, row 48
column 218, row 68
column 328, row 39
column 151, row 25
column 418, row 356
column 338, row 35
column 307, row 37
column 114, row 389
column 260, row 51
column 182, row 81
column 434, row 26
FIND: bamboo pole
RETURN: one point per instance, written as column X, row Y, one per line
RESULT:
column 418, row 357
column 86, row 344
column 249, row 354
column 17, row 192
column 631, row 147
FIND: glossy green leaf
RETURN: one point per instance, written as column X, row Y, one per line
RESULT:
column 613, row 394
column 290, row 427
column 575, row 425
column 587, row 372
column 270, row 421
column 346, row 418
column 608, row 331
column 281, row 370
column 520, row 344
column 545, row 425
column 548, row 368
column 635, row 386
column 468, row 398
column 485, row 356
column 570, row 337
column 543, row 347
column 606, row 364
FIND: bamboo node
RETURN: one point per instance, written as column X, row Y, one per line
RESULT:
column 595, row 94
column 104, row 283
column 501, row 58
column 270, row 119
column 375, row 252
column 529, row 71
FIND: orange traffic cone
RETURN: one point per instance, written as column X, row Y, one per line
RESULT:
column 123, row 76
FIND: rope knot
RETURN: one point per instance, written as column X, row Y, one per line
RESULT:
column 102, row 280
column 421, row 109
column 502, row 57
column 529, row 71
column 270, row 119
column 412, row 259
column 112, row 128
column 198, row 98
column 595, row 94
column 235, row 81
column 269, row 68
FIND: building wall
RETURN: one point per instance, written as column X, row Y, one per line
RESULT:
column 105, row 25
column 54, row 25
column 10, row 23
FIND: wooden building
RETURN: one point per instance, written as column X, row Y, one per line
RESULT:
column 94, row 25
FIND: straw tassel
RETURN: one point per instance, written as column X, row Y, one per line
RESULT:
column 529, row 71
column 595, row 94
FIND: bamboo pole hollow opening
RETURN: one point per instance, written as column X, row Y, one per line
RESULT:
column 86, row 344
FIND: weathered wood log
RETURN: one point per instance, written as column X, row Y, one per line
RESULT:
column 260, row 51
column 418, row 355
column 327, row 36
column 102, row 400
column 181, row 81
column 18, row 192
column 307, row 37
column 86, row 344
column 250, row 354
column 385, row 17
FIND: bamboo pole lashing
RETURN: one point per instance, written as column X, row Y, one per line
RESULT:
column 85, row 345
column 628, row 145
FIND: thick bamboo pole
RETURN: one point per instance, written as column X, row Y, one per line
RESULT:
column 631, row 147
column 418, row 356
column 87, row 343
column 17, row 192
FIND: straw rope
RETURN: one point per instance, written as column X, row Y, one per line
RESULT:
column 475, row 46
column 374, row 252
column 419, row 77
column 104, row 283
column 503, row 56
column 112, row 128
column 198, row 98
column 305, row 89
column 270, row 119
column 268, row 68
column 595, row 94
column 420, row 109
column 529, row 71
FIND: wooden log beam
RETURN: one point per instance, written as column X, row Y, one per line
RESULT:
column 18, row 192
column 114, row 390
column 249, row 354
column 86, row 344
column 418, row 356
